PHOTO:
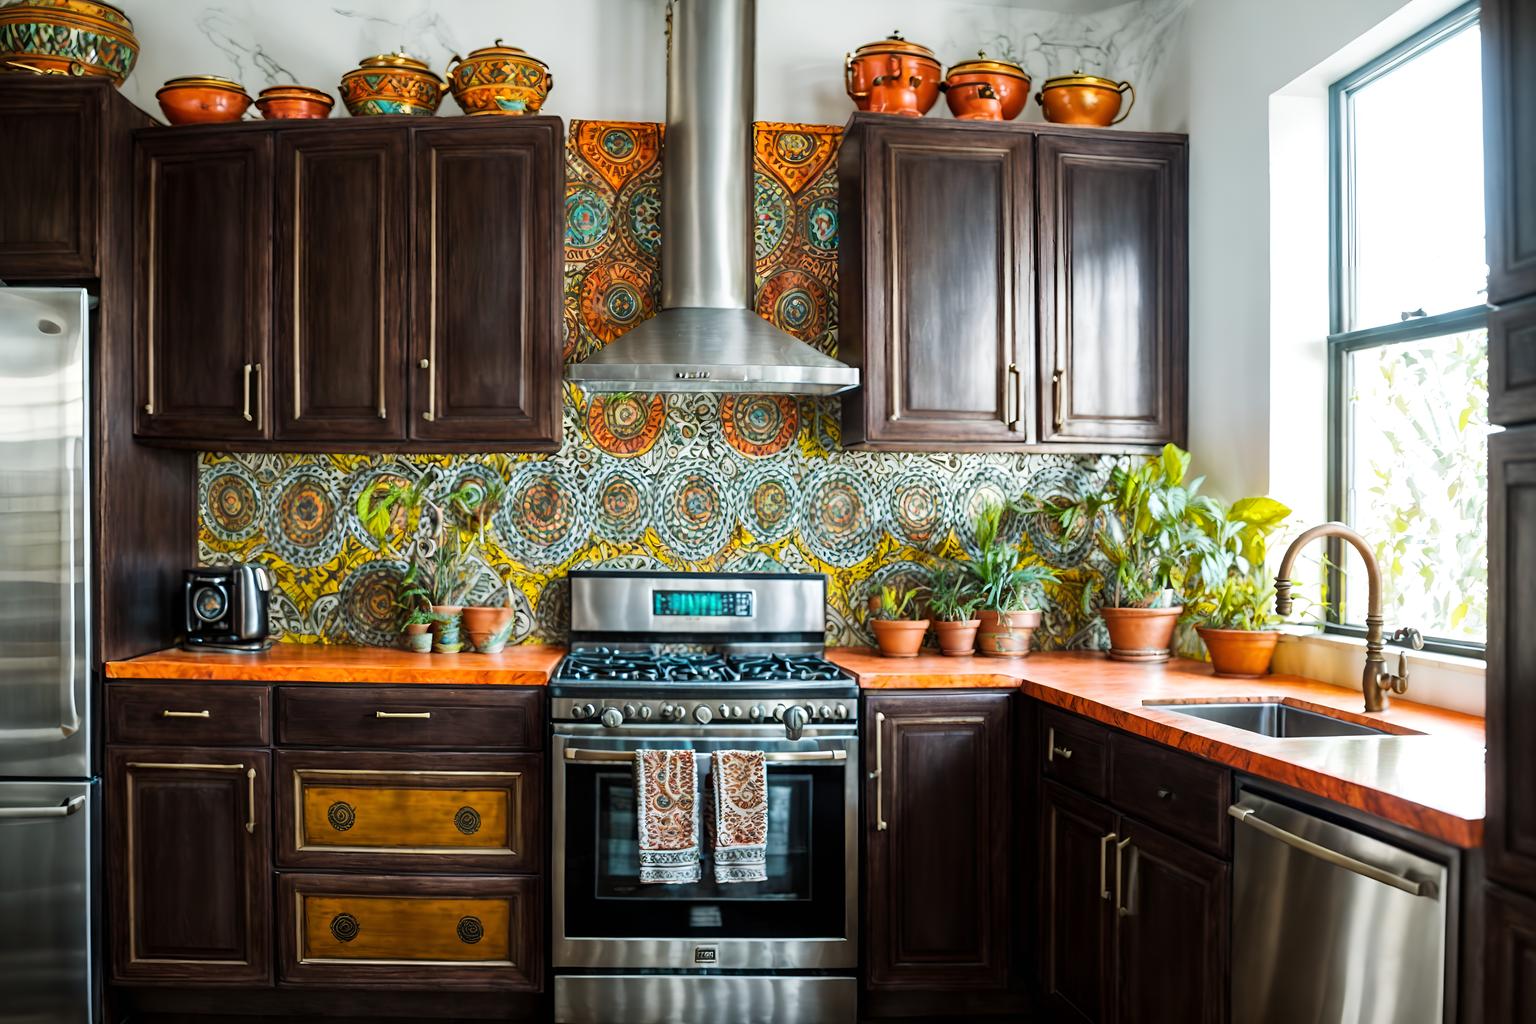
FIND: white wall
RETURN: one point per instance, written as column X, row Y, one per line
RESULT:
column 608, row 56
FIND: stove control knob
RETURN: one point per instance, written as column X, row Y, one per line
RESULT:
column 778, row 713
column 585, row 711
column 735, row 711
column 841, row 711
column 645, row 712
column 612, row 717
column 794, row 721
column 725, row 711
column 667, row 710
column 757, row 713
column 810, row 711
column 824, row 712
column 629, row 711
column 702, row 714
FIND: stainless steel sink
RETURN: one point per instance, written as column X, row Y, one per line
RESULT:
column 1271, row 718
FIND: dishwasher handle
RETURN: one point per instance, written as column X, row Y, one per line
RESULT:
column 1248, row 816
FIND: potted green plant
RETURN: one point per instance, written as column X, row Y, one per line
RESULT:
column 1231, row 599
column 416, row 630
column 1146, row 523
column 952, row 602
column 1002, row 577
column 475, row 504
column 898, row 632
column 440, row 580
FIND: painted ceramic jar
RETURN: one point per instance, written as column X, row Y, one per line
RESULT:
column 202, row 99
column 874, row 60
column 1084, row 99
column 392, row 83
column 1008, row 83
column 289, row 102
column 499, row 79
column 67, row 37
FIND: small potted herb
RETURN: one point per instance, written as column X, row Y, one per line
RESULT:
column 440, row 580
column 416, row 632
column 898, row 632
column 952, row 601
column 1002, row 578
column 1232, row 601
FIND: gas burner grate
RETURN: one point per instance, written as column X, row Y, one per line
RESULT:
column 605, row 664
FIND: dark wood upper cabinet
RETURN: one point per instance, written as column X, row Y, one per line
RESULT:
column 204, row 283
column 486, row 283
column 1509, row 143
column 935, row 298
column 191, row 891
column 51, row 136
column 939, row 859
column 343, row 198
column 1077, row 843
column 1512, row 363
column 1113, row 291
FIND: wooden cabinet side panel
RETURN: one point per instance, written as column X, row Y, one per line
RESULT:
column 1509, row 139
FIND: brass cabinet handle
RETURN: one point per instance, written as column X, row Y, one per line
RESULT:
column 250, row 798
column 431, row 412
column 402, row 714
column 256, row 369
column 1052, row 751
column 1104, row 842
column 1120, row 906
column 184, row 766
column 1011, row 397
column 185, row 714
column 245, row 410
column 1056, row 419
column 878, row 774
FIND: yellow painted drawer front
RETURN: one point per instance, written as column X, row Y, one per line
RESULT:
column 405, row 929
column 340, row 814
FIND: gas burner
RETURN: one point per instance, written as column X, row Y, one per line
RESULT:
column 612, row 665
column 796, row 667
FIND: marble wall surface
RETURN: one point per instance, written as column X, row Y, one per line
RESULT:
column 608, row 56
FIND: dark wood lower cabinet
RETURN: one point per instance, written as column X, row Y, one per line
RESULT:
column 188, row 834
column 1077, row 842
column 939, row 864
column 1509, row 963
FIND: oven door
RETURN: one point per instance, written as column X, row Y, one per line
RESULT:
column 803, row 916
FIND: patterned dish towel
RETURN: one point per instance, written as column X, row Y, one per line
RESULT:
column 739, row 788
column 667, row 811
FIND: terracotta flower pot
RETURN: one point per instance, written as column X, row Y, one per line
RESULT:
column 419, row 643
column 1239, row 652
column 447, row 635
column 487, row 627
column 957, row 638
column 1006, row 634
column 899, row 638
column 1140, row 634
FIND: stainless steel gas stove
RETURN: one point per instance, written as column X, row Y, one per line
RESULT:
column 704, row 662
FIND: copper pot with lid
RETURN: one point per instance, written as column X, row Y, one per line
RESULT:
column 893, row 57
column 1084, row 99
column 1007, row 81
column 392, row 83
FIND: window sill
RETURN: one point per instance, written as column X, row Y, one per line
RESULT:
column 1442, row 680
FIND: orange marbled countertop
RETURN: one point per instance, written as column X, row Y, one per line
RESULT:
column 1432, row 783
column 522, row 665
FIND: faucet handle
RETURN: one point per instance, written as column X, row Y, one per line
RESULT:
column 1399, row 682
column 1407, row 636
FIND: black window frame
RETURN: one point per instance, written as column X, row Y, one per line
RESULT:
column 1344, row 339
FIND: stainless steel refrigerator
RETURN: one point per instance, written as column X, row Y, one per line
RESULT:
column 50, row 804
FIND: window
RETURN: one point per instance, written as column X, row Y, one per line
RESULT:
column 1408, row 356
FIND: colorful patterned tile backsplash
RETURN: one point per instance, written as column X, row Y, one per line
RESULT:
column 698, row 482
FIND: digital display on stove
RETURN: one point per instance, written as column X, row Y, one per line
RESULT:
column 702, row 603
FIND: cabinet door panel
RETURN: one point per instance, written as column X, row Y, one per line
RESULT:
column 1512, row 364
column 1113, row 224
column 938, row 875
column 1511, row 834
column 1172, row 905
column 204, row 284
column 1510, row 961
column 191, row 889
column 1509, row 130
column 1077, row 842
column 486, row 284
column 51, row 135
column 947, row 313
column 343, row 203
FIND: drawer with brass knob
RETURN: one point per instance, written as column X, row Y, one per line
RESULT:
column 402, row 931
column 408, row 811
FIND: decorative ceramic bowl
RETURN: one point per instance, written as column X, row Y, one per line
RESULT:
column 873, row 60
column 1084, row 99
column 67, row 37
column 285, row 102
column 202, row 99
column 499, row 79
column 1008, row 82
column 392, row 83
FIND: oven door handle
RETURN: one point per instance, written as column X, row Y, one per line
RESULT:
column 581, row 756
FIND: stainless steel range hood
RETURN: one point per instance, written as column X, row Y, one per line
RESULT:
column 706, row 338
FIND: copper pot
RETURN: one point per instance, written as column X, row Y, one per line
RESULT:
column 499, row 79
column 1242, row 653
column 1008, row 82
column 285, row 102
column 875, row 60
column 392, row 83
column 202, row 99
column 1140, row 634
column 974, row 101
column 1084, row 99
column 895, row 93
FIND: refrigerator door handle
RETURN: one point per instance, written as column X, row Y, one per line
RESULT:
column 72, row 470
column 64, row 810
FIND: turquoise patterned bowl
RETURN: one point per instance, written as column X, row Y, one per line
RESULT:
column 67, row 37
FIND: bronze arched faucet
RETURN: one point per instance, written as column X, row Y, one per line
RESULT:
column 1375, row 681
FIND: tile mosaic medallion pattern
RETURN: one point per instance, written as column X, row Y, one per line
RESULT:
column 696, row 482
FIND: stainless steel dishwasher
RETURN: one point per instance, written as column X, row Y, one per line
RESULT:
column 1331, row 925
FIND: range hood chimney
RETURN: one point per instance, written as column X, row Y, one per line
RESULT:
column 706, row 337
